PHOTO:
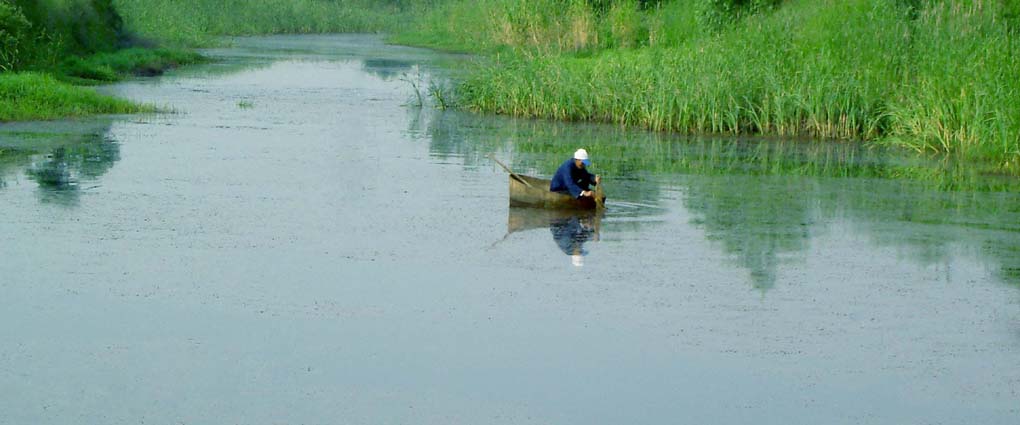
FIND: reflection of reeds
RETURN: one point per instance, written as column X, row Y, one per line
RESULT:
column 538, row 147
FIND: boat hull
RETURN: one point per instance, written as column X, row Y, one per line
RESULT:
column 537, row 195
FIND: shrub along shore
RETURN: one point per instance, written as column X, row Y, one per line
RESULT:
column 940, row 77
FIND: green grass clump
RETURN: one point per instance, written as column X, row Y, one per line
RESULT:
column 34, row 96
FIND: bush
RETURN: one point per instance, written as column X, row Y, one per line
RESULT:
column 14, row 29
column 74, row 26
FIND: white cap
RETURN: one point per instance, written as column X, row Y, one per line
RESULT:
column 581, row 154
column 577, row 260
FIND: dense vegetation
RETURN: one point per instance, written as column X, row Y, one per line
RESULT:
column 46, row 45
column 936, row 76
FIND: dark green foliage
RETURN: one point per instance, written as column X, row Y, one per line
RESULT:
column 603, row 6
column 59, row 28
column 114, row 66
column 715, row 14
column 82, row 26
column 14, row 35
column 1009, row 11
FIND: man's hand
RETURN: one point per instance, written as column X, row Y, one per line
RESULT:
column 586, row 193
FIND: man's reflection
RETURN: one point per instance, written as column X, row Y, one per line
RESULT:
column 570, row 234
column 570, row 229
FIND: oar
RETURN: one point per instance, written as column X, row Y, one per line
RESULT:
column 512, row 173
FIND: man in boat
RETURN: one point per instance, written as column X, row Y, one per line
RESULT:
column 573, row 177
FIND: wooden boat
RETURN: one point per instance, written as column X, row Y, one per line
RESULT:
column 527, row 191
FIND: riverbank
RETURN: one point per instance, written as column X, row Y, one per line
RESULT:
column 50, row 53
column 66, row 92
column 83, row 43
column 934, row 77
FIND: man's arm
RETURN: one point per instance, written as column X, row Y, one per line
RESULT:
column 574, row 189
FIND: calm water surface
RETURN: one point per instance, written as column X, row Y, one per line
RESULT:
column 300, row 243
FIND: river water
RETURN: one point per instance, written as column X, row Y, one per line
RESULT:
column 299, row 242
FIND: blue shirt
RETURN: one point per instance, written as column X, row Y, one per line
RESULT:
column 571, row 179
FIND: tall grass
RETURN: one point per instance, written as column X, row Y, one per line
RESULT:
column 544, row 26
column 775, row 75
column 963, row 93
column 940, row 77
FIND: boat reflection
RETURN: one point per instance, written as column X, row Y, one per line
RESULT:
column 570, row 229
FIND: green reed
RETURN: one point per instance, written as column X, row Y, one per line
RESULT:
column 943, row 79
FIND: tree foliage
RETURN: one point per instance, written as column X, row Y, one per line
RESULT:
column 14, row 29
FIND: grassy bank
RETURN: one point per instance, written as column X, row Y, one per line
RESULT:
column 34, row 96
column 85, row 42
column 46, row 45
column 938, row 77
